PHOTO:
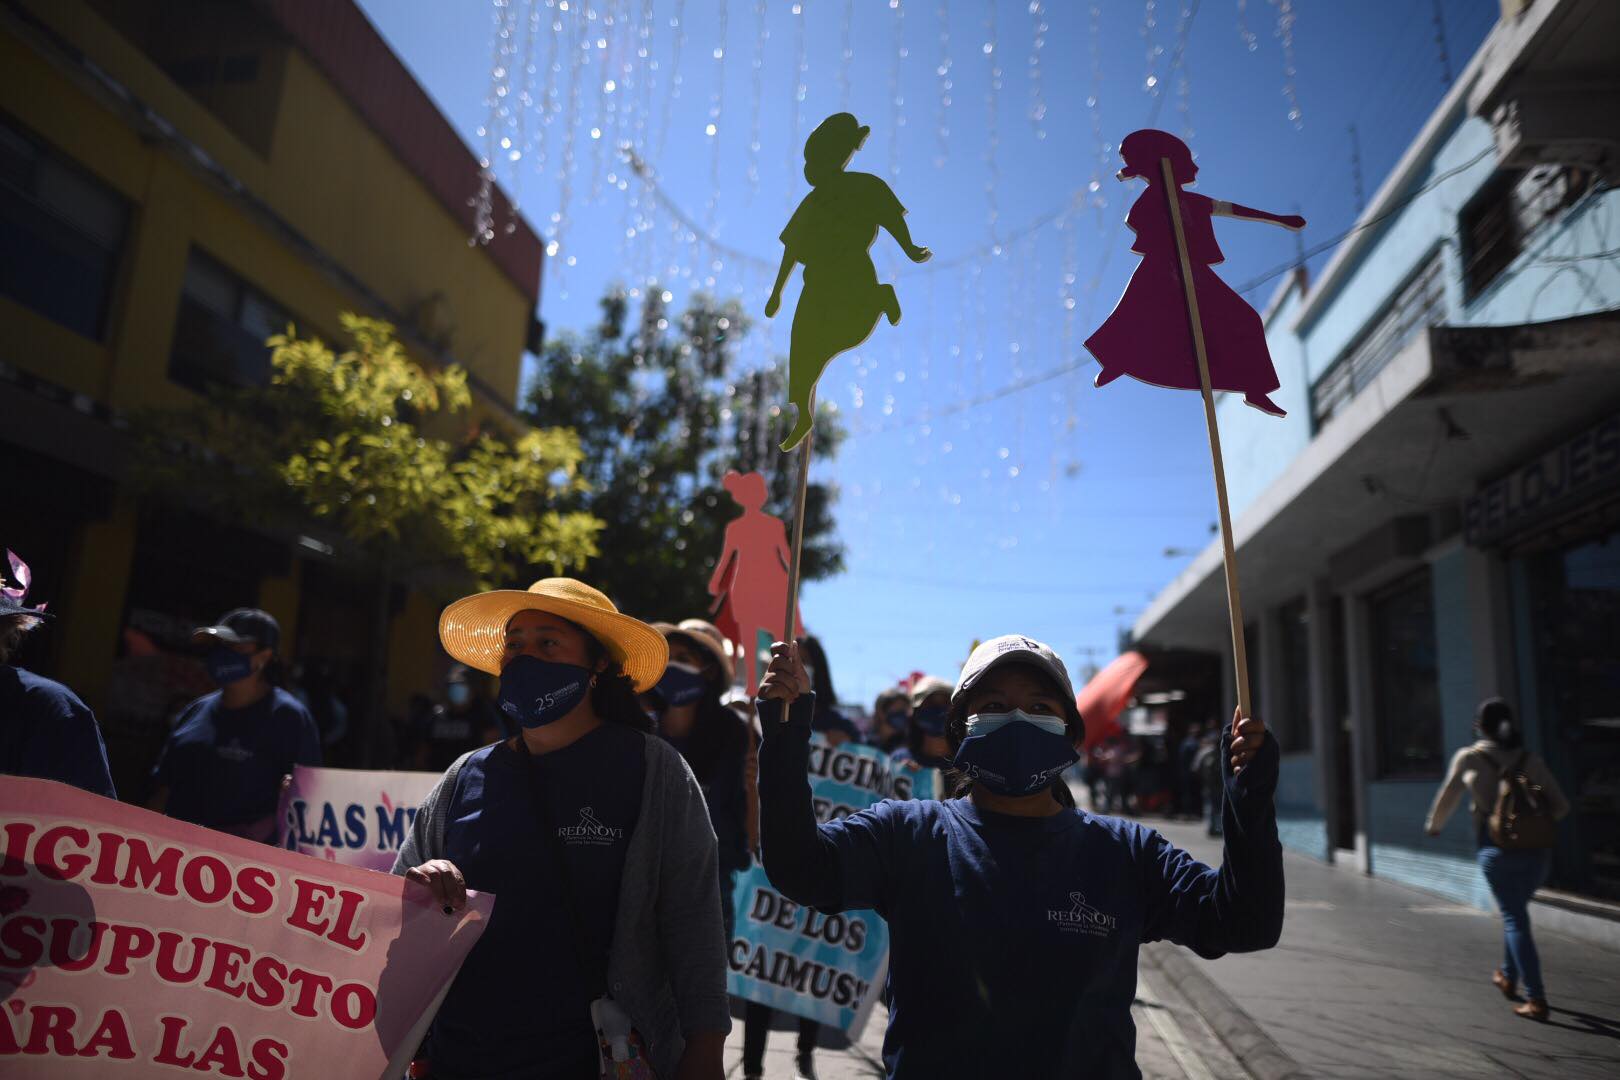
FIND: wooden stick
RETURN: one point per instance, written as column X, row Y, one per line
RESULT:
column 1234, row 601
column 791, row 620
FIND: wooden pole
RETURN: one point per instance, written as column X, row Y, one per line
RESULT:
column 790, row 621
column 1234, row 601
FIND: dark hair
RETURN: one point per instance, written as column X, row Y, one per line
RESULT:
column 613, row 694
column 813, row 654
column 1495, row 721
column 13, row 628
column 889, row 697
column 956, row 730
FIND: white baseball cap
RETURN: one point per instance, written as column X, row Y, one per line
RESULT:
column 1017, row 649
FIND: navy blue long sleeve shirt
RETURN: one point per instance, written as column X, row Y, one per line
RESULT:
column 1013, row 940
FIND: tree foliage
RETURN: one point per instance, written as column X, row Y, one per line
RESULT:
column 662, row 412
column 358, row 441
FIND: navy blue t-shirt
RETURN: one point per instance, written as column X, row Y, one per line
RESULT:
column 1013, row 940
column 520, row 1006
column 223, row 767
column 47, row 732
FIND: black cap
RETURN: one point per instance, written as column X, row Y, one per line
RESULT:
column 243, row 624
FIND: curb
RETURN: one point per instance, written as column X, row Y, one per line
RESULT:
column 1255, row 1050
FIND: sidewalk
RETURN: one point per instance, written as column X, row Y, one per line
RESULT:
column 1376, row 979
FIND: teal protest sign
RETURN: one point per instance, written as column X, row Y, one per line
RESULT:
column 827, row 967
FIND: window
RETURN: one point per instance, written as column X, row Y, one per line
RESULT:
column 229, row 57
column 62, row 233
column 1405, row 677
column 1507, row 210
column 1293, row 722
column 221, row 331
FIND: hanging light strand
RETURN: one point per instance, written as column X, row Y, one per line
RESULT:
column 756, row 96
column 897, row 101
column 677, row 24
column 1037, row 90
column 942, row 122
column 846, row 55
column 992, row 108
column 501, row 46
column 1285, row 32
column 1150, row 23
column 1094, row 107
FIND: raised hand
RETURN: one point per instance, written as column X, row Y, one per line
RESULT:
column 785, row 679
column 443, row 880
column 1247, row 735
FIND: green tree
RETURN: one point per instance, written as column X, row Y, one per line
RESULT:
column 356, row 442
column 662, row 413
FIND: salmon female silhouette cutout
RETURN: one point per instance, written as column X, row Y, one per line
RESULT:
column 832, row 233
column 1148, row 336
column 752, row 572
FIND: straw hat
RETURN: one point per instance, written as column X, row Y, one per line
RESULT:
column 710, row 636
column 473, row 629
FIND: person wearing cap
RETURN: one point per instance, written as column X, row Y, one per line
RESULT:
column 45, row 730
column 1018, row 884
column 891, row 715
column 712, row 738
column 223, row 763
column 925, row 746
column 594, row 838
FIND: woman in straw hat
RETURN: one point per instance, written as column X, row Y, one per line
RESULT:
column 594, row 838
column 1015, row 884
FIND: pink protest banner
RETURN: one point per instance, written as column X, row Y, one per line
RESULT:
column 145, row 947
column 352, row 816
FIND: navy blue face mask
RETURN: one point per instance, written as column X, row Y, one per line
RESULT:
column 535, row 692
column 930, row 719
column 1014, row 753
column 681, row 684
column 228, row 665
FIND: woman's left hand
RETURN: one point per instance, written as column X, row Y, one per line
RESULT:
column 1247, row 735
column 703, row 1058
column 771, row 307
column 919, row 254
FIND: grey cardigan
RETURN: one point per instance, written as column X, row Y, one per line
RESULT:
column 667, row 964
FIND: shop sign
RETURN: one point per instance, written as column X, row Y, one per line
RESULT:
column 1580, row 467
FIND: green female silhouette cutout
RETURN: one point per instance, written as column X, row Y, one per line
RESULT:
column 832, row 233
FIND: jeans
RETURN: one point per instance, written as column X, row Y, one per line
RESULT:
column 1513, row 877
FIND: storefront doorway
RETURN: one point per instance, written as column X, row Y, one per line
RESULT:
column 1574, row 616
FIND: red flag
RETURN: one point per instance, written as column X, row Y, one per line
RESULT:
column 1103, row 698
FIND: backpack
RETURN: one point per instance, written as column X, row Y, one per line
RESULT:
column 1521, row 818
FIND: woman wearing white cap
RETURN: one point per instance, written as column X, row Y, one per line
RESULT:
column 1017, row 884
column 594, row 838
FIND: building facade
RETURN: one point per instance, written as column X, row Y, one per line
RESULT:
column 1437, row 521
column 178, row 180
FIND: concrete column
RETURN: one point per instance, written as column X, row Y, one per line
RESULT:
column 93, row 605
column 1269, row 627
column 1323, row 722
column 1362, row 728
column 1490, row 619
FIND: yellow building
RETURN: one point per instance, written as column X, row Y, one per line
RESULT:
column 179, row 179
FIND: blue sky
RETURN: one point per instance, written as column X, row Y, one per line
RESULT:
column 1045, row 512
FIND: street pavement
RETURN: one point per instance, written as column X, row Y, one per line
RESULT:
column 1370, row 979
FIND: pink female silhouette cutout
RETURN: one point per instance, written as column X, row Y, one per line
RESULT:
column 751, row 574
column 1148, row 336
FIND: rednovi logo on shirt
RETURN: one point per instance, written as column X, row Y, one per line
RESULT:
column 1082, row 918
column 589, row 830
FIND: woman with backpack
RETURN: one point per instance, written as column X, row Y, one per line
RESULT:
column 1515, row 802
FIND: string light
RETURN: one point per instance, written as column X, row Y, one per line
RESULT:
column 846, row 55
column 897, row 101
column 712, row 130
column 942, row 127
column 1249, row 40
column 677, row 23
column 1150, row 22
column 992, row 106
column 756, row 96
column 801, row 68
column 1285, row 31
column 1037, row 92
column 501, row 46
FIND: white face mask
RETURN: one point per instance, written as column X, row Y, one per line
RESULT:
column 985, row 723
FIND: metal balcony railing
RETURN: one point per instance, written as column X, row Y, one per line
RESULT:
column 1416, row 306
